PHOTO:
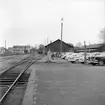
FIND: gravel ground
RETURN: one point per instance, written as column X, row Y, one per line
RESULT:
column 15, row 97
column 69, row 84
column 7, row 63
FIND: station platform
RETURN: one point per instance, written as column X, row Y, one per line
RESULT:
column 30, row 90
column 30, row 94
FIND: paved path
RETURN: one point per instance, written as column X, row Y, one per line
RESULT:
column 55, row 60
column 67, row 84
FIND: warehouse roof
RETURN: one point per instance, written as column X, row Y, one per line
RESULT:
column 92, row 46
column 70, row 45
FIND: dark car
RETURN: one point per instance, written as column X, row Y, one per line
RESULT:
column 100, row 60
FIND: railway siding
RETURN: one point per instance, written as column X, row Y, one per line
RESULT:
column 12, row 76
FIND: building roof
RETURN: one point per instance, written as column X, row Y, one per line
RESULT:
column 87, row 49
column 58, row 40
column 19, row 46
column 92, row 46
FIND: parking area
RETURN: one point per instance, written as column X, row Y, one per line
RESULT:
column 90, row 58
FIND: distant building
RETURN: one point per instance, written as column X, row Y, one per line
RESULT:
column 92, row 48
column 20, row 49
column 11, row 49
column 4, row 51
column 55, row 46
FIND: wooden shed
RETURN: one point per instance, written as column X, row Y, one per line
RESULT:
column 55, row 46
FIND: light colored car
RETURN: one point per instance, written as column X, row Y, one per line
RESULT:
column 68, row 56
column 63, row 56
column 72, row 57
column 79, row 57
column 82, row 57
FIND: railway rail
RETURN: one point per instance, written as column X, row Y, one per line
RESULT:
column 10, row 77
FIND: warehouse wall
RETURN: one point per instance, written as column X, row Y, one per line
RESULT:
column 55, row 47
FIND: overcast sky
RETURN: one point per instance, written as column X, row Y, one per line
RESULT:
column 33, row 21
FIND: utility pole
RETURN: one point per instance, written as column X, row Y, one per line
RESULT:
column 47, row 41
column 89, row 47
column 44, row 47
column 61, row 34
column 5, row 43
column 85, row 53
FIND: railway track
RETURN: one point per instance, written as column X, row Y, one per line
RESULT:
column 12, row 76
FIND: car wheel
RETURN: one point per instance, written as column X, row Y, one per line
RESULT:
column 72, row 61
column 101, row 63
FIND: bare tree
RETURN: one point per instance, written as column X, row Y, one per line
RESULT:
column 102, row 35
column 33, row 50
column 41, row 48
column 79, row 44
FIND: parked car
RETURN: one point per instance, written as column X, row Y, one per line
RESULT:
column 97, row 59
column 72, row 57
column 66, row 55
column 91, row 58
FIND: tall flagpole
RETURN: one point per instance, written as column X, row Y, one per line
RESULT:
column 61, row 34
column 104, row 14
